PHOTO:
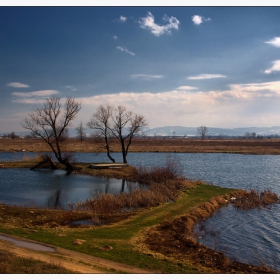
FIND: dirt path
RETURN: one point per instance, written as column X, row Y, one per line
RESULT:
column 75, row 261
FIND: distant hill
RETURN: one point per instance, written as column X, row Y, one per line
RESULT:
column 189, row 131
column 213, row 131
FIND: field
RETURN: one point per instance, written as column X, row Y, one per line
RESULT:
column 176, row 145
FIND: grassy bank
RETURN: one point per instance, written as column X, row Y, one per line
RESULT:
column 147, row 238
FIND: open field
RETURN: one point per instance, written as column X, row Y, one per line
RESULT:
column 178, row 145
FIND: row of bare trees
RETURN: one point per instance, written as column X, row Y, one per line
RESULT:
column 109, row 122
column 50, row 122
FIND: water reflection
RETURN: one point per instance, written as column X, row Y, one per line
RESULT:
column 55, row 189
column 27, row 244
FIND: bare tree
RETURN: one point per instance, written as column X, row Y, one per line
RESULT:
column 81, row 132
column 100, row 123
column 50, row 122
column 110, row 122
column 247, row 135
column 202, row 131
column 125, row 125
column 253, row 135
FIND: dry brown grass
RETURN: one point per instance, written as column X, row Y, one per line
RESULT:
column 12, row 264
column 268, row 197
column 253, row 199
column 266, row 146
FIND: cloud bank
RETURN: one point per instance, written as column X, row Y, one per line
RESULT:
column 249, row 104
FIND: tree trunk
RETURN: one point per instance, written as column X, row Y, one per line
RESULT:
column 123, row 152
column 109, row 156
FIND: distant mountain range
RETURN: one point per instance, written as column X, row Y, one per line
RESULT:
column 190, row 131
column 213, row 131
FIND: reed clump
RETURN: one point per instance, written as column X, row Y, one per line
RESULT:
column 268, row 197
column 172, row 170
column 108, row 203
column 254, row 199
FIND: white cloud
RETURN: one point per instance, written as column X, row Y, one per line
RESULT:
column 115, row 37
column 125, row 50
column 28, row 100
column 262, row 89
column 40, row 93
column 149, row 23
column 199, row 19
column 186, row 88
column 72, row 88
column 275, row 67
column 274, row 42
column 123, row 19
column 146, row 77
column 250, row 104
column 33, row 96
column 17, row 85
column 206, row 76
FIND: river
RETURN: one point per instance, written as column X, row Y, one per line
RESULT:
column 249, row 236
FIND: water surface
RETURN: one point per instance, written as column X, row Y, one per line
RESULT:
column 54, row 189
column 249, row 236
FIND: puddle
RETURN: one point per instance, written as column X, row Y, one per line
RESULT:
column 28, row 245
column 86, row 223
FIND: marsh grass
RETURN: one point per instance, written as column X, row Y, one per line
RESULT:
column 254, row 199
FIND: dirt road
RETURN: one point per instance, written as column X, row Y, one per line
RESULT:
column 71, row 260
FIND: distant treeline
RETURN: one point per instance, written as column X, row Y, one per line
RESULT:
column 247, row 135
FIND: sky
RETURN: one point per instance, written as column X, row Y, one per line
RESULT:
column 178, row 66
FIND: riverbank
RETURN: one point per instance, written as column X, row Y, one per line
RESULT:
column 131, row 237
column 168, row 145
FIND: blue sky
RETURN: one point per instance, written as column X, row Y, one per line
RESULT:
column 190, row 66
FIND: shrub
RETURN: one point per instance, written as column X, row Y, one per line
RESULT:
column 172, row 170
